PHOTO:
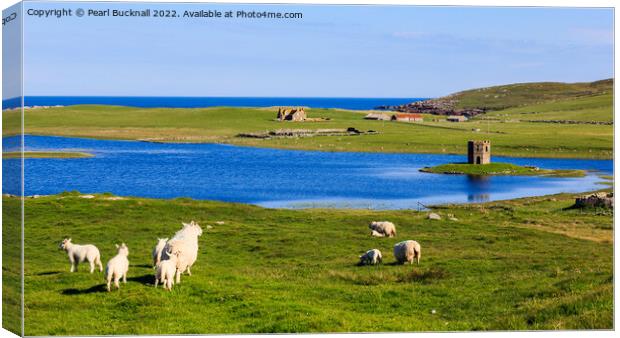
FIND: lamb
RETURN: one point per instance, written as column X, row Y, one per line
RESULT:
column 383, row 227
column 166, row 270
column 79, row 253
column 157, row 251
column 185, row 244
column 371, row 257
column 117, row 266
column 406, row 251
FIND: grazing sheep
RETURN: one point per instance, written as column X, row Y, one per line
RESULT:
column 406, row 251
column 383, row 227
column 157, row 251
column 371, row 257
column 79, row 253
column 185, row 244
column 117, row 267
column 166, row 270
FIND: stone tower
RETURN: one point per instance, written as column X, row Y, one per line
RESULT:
column 479, row 152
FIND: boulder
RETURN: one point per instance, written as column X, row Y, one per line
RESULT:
column 434, row 216
column 596, row 200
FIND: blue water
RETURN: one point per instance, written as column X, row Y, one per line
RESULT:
column 276, row 178
column 194, row 102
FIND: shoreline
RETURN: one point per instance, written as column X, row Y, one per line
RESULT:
column 57, row 154
column 426, row 208
column 500, row 169
column 301, row 148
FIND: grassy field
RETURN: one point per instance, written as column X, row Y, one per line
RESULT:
column 497, row 168
column 221, row 125
column 521, row 264
column 11, row 266
column 46, row 154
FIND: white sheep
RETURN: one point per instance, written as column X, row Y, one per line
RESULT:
column 383, row 227
column 185, row 244
column 157, row 251
column 406, row 251
column 117, row 267
column 166, row 270
column 79, row 253
column 371, row 257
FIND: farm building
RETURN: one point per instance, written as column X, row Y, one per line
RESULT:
column 377, row 116
column 456, row 118
column 291, row 114
column 407, row 117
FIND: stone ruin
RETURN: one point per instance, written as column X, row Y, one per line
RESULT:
column 291, row 114
column 479, row 152
column 596, row 200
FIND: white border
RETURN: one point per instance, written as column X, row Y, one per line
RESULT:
column 504, row 3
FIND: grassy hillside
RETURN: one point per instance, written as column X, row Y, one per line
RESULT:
column 587, row 108
column 522, row 94
column 523, row 264
column 514, row 138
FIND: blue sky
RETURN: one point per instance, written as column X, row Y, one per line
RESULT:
column 334, row 51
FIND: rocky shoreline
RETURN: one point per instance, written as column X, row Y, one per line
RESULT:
column 292, row 133
column 444, row 107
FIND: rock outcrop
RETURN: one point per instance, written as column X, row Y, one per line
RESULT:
column 596, row 200
column 444, row 106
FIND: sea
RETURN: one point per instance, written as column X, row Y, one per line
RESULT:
column 352, row 103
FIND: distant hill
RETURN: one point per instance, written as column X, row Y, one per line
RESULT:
column 475, row 101
column 521, row 94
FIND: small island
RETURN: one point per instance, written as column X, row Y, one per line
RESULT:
column 46, row 154
column 497, row 169
column 479, row 164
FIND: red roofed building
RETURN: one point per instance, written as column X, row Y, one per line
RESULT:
column 403, row 117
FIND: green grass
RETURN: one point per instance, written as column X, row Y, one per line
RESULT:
column 220, row 125
column 46, row 154
column 11, row 266
column 523, row 264
column 497, row 168
column 590, row 108
column 523, row 94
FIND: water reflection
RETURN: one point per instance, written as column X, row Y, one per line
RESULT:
column 478, row 188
